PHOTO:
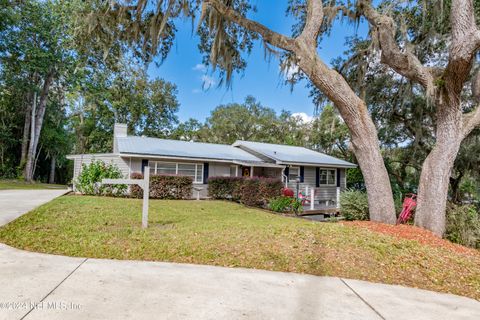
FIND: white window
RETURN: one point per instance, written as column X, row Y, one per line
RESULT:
column 293, row 174
column 328, row 177
column 194, row 170
column 233, row 171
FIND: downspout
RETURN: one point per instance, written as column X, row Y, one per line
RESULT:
column 285, row 178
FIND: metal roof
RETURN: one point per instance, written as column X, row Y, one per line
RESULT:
column 176, row 148
column 292, row 155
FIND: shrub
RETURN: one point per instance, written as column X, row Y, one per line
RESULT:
column 354, row 205
column 250, row 191
column 164, row 187
column 224, row 187
column 88, row 182
column 285, row 204
column 287, row 192
column 269, row 188
column 463, row 225
column 135, row 190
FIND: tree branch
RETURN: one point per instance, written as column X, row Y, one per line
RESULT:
column 272, row 37
column 403, row 62
column 471, row 120
column 313, row 22
column 465, row 44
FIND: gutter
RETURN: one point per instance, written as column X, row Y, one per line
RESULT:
column 134, row 155
column 310, row 164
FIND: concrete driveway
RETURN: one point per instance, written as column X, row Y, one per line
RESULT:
column 14, row 203
column 41, row 286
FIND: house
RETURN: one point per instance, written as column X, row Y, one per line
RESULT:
column 293, row 165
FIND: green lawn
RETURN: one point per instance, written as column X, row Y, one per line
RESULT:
column 228, row 234
column 20, row 184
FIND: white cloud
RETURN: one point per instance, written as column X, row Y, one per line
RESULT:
column 208, row 81
column 290, row 72
column 200, row 67
column 302, row 116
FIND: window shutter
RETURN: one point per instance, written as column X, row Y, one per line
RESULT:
column 302, row 173
column 144, row 164
column 338, row 177
column 287, row 172
column 317, row 177
column 205, row 173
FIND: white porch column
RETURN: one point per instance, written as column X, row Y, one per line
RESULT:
column 146, row 196
column 338, row 197
column 312, row 199
column 251, row 172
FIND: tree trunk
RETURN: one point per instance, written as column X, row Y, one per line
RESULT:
column 30, row 153
column 454, row 187
column 336, row 88
column 362, row 130
column 26, row 134
column 37, row 123
column 436, row 172
column 379, row 191
column 51, row 178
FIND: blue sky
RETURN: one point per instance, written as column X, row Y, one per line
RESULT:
column 262, row 79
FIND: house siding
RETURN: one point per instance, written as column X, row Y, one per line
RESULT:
column 322, row 193
column 135, row 164
column 86, row 159
column 343, row 179
column 128, row 165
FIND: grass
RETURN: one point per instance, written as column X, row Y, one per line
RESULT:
column 11, row 184
column 228, row 234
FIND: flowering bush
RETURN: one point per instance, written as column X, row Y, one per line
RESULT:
column 285, row 204
column 286, row 192
column 90, row 178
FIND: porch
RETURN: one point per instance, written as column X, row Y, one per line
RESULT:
column 319, row 200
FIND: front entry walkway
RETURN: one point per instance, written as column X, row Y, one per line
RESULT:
column 15, row 203
column 41, row 286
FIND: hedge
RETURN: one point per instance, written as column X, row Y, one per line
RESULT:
column 254, row 191
column 225, row 188
column 164, row 187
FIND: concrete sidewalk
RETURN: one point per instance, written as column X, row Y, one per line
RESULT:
column 41, row 286
column 15, row 203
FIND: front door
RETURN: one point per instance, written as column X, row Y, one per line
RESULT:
column 246, row 171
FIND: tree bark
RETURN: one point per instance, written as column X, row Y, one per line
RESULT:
column 363, row 132
column 335, row 87
column 51, row 178
column 37, row 127
column 27, row 124
column 437, row 169
column 26, row 134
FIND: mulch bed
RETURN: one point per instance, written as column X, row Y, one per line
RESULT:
column 410, row 232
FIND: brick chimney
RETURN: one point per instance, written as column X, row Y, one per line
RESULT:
column 119, row 131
